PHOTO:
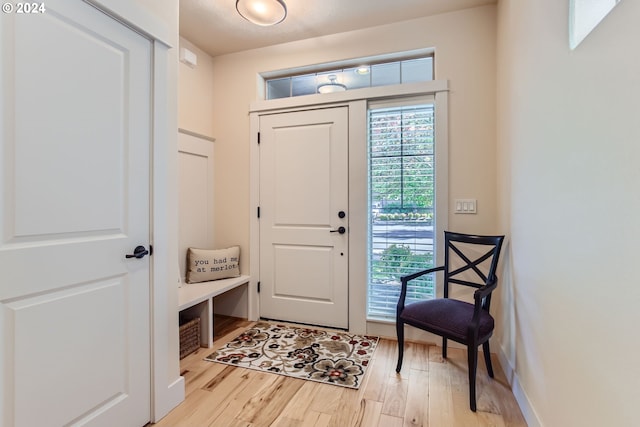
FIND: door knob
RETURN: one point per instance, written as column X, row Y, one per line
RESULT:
column 138, row 252
column 341, row 214
column 340, row 230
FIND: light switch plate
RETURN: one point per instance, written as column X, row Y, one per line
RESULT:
column 465, row 206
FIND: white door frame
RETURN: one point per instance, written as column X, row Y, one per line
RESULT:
column 167, row 386
column 356, row 100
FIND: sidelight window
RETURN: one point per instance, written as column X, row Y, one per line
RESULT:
column 401, row 203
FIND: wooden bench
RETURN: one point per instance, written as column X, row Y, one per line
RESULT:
column 196, row 300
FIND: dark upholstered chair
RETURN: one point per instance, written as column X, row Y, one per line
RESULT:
column 469, row 261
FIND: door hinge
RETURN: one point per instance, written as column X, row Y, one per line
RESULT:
column 258, row 211
column 258, row 138
column 258, row 287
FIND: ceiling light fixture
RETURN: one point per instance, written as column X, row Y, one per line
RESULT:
column 332, row 86
column 262, row 12
column 363, row 70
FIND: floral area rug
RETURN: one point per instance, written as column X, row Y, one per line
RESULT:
column 337, row 358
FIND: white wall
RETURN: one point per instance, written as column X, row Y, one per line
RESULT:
column 569, row 147
column 195, row 93
column 466, row 57
column 195, row 116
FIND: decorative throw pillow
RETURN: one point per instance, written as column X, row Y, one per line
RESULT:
column 212, row 264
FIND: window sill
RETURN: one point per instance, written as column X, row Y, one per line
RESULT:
column 382, row 320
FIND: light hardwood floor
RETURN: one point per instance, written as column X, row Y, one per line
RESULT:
column 429, row 391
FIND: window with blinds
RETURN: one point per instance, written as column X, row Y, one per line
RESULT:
column 402, row 204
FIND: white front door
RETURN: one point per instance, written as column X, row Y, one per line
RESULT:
column 303, row 204
column 75, row 119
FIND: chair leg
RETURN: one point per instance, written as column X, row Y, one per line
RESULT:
column 472, row 356
column 400, row 333
column 487, row 358
column 444, row 348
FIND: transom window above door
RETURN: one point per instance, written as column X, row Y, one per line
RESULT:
column 354, row 74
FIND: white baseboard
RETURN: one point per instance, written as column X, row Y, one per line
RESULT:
column 171, row 397
column 522, row 399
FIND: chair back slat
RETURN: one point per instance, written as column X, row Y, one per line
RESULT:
column 470, row 260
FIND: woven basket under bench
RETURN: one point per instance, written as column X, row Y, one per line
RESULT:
column 189, row 337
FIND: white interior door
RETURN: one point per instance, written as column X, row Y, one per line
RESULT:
column 74, row 312
column 303, row 190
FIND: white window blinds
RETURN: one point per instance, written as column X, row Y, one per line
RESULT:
column 402, row 204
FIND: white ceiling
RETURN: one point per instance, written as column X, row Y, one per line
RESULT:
column 216, row 27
